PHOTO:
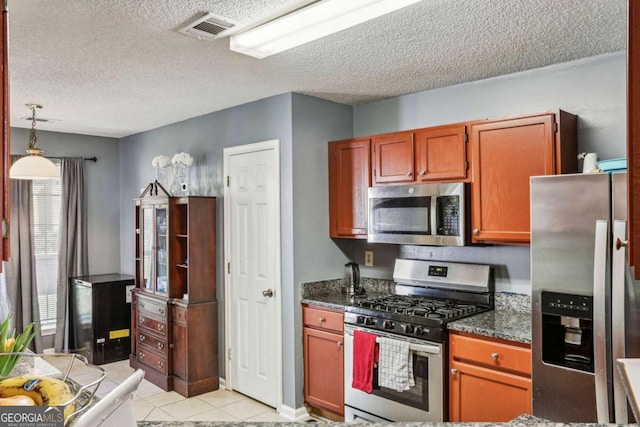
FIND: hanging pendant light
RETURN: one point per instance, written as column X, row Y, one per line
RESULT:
column 34, row 166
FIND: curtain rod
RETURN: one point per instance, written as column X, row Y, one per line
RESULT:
column 93, row 159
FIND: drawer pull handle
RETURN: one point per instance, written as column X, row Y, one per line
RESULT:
column 142, row 320
column 321, row 320
column 161, row 310
column 141, row 355
column 160, row 327
column 142, row 338
column 454, row 371
column 160, row 365
column 494, row 356
column 160, row 346
column 141, row 304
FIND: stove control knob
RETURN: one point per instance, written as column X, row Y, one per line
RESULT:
column 387, row 324
column 368, row 321
column 418, row 330
column 360, row 319
column 407, row 329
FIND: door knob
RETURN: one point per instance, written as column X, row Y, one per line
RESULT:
column 268, row 293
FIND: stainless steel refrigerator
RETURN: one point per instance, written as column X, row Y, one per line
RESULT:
column 585, row 304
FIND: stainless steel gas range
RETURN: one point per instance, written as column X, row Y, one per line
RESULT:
column 428, row 295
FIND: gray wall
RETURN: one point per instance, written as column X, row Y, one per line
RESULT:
column 303, row 125
column 594, row 89
column 103, row 188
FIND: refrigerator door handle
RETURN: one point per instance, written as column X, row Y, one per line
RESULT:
column 599, row 319
column 618, row 268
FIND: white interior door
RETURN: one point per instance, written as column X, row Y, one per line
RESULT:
column 252, row 245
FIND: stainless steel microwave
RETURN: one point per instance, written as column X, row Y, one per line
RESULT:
column 421, row 214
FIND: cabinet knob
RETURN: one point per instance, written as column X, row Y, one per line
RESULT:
column 339, row 343
column 171, row 346
column 142, row 320
column 494, row 356
column 142, row 337
column 161, row 310
column 160, row 327
column 141, row 355
column 321, row 320
column 160, row 346
column 454, row 371
column 476, row 231
column 408, row 174
column 142, row 304
column 422, row 173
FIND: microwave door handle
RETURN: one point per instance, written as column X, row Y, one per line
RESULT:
column 434, row 216
column 601, row 256
column 618, row 269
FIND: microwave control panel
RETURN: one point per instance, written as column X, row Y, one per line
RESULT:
column 448, row 209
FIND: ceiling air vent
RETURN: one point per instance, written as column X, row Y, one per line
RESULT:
column 207, row 27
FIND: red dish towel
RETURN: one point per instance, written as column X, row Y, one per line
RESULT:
column 364, row 355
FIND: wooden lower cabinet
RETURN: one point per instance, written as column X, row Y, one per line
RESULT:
column 489, row 379
column 323, row 359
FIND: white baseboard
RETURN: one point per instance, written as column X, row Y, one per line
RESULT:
column 294, row 414
column 222, row 383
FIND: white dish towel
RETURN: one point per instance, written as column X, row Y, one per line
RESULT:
column 395, row 365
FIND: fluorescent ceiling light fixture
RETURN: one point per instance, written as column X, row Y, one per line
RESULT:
column 310, row 23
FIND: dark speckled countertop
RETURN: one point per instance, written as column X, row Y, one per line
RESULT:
column 511, row 319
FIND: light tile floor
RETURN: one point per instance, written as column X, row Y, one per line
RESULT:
column 154, row 404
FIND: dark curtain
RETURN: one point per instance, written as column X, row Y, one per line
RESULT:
column 74, row 260
column 21, row 268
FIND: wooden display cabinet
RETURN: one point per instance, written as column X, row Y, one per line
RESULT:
column 174, row 315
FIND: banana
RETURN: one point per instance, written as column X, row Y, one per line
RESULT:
column 43, row 390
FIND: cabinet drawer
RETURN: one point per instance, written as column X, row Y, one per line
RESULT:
column 492, row 354
column 152, row 307
column 147, row 340
column 154, row 361
column 157, row 326
column 316, row 318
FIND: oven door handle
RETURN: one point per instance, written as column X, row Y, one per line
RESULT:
column 413, row 346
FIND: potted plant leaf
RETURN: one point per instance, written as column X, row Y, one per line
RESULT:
column 12, row 345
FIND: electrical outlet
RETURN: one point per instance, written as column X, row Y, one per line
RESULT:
column 368, row 258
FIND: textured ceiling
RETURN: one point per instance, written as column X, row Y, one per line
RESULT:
column 118, row 67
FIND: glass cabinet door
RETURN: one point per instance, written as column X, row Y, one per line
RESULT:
column 161, row 247
column 147, row 248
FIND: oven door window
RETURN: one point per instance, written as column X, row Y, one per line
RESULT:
column 417, row 396
column 406, row 215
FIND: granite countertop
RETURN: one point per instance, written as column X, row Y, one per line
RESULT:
column 505, row 324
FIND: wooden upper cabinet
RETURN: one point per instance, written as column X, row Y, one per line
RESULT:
column 393, row 158
column 349, row 179
column 505, row 154
column 441, row 153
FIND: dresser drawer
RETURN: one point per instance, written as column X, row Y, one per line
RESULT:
column 157, row 326
column 152, row 360
column 493, row 354
column 152, row 308
column 149, row 341
column 324, row 319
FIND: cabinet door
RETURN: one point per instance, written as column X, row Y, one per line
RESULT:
column 505, row 155
column 179, row 350
column 441, row 153
column 349, row 178
column 393, row 158
column 148, row 254
column 324, row 370
column 161, row 247
column 479, row 394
